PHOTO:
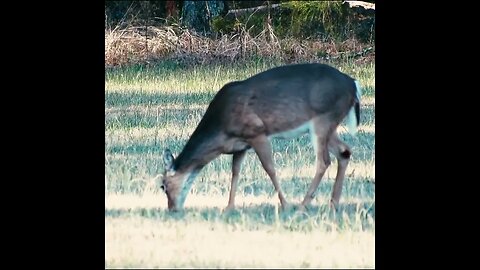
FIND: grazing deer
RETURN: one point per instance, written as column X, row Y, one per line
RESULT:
column 281, row 102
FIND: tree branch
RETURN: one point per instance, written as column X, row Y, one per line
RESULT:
column 247, row 10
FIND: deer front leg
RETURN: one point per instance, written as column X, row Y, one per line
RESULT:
column 262, row 147
column 342, row 152
column 237, row 159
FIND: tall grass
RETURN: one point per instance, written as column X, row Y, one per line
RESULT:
column 133, row 44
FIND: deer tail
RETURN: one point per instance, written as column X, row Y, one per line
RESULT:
column 353, row 117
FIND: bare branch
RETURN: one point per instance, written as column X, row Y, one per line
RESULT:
column 247, row 10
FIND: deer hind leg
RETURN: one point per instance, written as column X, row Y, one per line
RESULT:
column 237, row 159
column 263, row 148
column 320, row 133
column 342, row 152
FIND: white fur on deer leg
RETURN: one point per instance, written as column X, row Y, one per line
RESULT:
column 186, row 186
column 313, row 138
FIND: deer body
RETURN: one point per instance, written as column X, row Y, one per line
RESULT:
column 282, row 102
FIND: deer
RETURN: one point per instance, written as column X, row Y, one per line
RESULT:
column 282, row 102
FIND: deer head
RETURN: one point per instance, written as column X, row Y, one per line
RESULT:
column 176, row 184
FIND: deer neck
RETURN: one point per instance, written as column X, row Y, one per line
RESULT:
column 206, row 141
column 200, row 149
column 189, row 178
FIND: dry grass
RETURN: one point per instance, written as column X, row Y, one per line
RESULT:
column 142, row 242
column 143, row 45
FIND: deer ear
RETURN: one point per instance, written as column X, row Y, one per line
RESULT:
column 168, row 160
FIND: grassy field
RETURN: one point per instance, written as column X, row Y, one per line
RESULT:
column 150, row 108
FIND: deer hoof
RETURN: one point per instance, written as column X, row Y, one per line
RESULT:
column 229, row 208
column 302, row 208
column 333, row 205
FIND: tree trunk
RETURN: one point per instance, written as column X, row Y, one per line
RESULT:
column 171, row 8
column 198, row 14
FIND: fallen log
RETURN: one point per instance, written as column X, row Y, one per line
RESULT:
column 242, row 11
column 351, row 4
column 365, row 5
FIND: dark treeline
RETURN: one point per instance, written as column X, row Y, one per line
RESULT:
column 157, row 12
column 295, row 18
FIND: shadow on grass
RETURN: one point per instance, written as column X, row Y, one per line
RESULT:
column 347, row 216
column 119, row 99
column 151, row 118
